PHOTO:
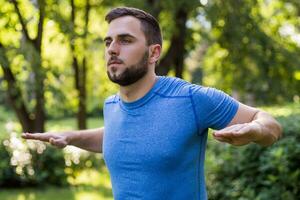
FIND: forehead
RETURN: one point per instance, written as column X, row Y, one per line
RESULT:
column 125, row 25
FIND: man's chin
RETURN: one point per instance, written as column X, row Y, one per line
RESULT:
column 121, row 81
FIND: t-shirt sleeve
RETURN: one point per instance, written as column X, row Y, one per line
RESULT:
column 213, row 108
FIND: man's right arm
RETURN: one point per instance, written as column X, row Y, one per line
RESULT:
column 90, row 139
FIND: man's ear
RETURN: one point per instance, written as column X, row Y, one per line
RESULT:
column 154, row 53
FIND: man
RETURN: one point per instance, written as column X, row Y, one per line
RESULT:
column 156, row 127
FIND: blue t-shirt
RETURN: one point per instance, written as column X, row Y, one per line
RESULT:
column 154, row 147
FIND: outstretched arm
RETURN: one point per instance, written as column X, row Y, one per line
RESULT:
column 250, row 125
column 90, row 139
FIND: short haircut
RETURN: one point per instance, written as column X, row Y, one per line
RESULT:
column 149, row 24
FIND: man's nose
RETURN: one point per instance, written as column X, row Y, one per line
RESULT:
column 114, row 48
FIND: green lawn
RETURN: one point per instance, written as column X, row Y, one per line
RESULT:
column 51, row 193
column 70, row 124
column 90, row 185
column 283, row 110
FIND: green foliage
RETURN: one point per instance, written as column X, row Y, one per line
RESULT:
column 31, row 163
column 253, row 48
column 249, row 48
column 23, row 165
column 254, row 172
column 34, row 163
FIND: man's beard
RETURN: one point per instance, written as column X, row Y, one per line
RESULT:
column 132, row 73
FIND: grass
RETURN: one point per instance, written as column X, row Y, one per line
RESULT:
column 70, row 124
column 52, row 193
column 84, row 188
column 283, row 110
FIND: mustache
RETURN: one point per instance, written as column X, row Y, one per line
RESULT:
column 114, row 60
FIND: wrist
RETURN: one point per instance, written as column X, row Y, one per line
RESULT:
column 70, row 137
column 257, row 131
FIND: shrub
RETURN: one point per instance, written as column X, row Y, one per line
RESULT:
column 31, row 163
column 254, row 172
column 28, row 164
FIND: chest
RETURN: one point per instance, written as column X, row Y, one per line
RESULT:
column 159, row 134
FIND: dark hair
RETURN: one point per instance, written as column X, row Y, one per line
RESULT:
column 149, row 24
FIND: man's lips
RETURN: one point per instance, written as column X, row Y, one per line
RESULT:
column 114, row 62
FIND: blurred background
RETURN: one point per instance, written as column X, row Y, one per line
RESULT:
column 53, row 77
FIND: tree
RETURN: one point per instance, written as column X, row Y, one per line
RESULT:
column 256, row 59
column 30, row 120
column 80, row 70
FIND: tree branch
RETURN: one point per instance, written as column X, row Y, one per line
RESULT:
column 24, row 28
column 87, row 14
column 14, row 92
column 73, row 13
column 38, row 39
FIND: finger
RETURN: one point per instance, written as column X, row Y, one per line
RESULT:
column 224, row 131
column 242, row 132
column 223, row 139
column 58, row 142
column 244, row 129
column 227, row 134
column 36, row 136
column 229, row 128
column 229, row 131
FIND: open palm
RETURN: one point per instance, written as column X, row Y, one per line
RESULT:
column 58, row 140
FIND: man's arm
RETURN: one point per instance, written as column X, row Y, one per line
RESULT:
column 250, row 125
column 90, row 139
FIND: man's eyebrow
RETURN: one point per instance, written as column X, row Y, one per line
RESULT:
column 107, row 38
column 124, row 35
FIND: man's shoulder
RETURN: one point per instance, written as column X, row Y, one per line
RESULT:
column 176, row 87
column 111, row 99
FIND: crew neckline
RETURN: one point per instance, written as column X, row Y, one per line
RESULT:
column 141, row 101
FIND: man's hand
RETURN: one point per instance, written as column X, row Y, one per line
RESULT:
column 239, row 134
column 57, row 140
column 90, row 139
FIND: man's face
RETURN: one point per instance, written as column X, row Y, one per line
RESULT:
column 126, row 52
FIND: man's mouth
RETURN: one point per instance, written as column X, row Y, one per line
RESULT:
column 114, row 62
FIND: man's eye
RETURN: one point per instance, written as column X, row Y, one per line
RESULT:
column 126, row 41
column 107, row 43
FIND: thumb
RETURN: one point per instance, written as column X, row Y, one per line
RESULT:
column 57, row 142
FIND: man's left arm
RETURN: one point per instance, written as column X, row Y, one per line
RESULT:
column 250, row 125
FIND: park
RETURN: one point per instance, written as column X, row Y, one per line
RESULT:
column 53, row 78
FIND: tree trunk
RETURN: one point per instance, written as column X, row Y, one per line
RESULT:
column 39, row 113
column 154, row 7
column 80, row 71
column 14, row 94
column 33, row 122
column 174, row 57
column 82, row 117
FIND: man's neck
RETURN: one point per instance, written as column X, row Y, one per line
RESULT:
column 138, row 89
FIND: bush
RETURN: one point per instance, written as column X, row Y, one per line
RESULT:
column 31, row 163
column 28, row 164
column 254, row 172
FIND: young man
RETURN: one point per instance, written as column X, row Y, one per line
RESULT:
column 156, row 127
